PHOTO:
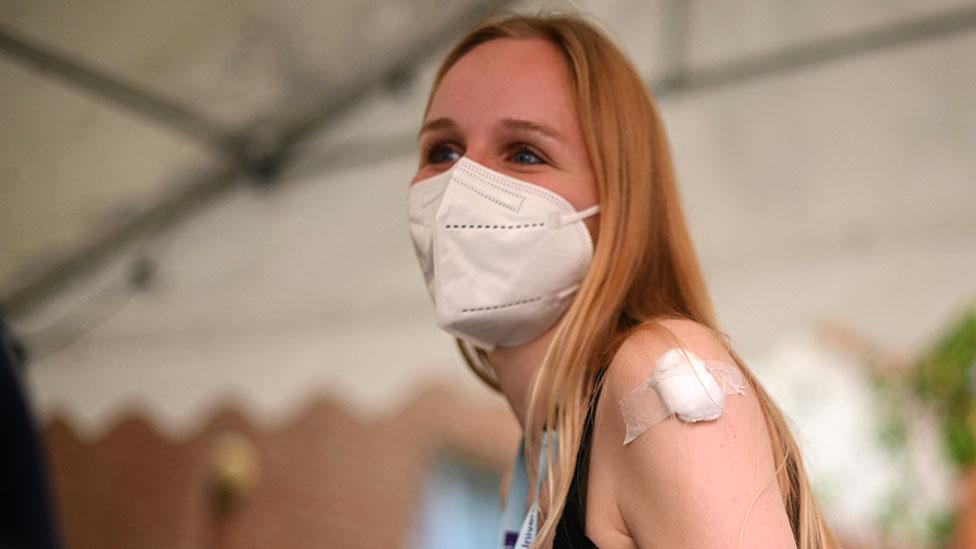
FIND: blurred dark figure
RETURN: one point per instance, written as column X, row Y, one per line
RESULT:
column 26, row 518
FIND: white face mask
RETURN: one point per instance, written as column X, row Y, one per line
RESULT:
column 502, row 257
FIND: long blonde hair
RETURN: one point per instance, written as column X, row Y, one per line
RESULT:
column 644, row 266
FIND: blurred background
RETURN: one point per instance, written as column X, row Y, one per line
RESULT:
column 226, row 338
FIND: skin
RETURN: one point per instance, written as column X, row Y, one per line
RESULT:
column 509, row 104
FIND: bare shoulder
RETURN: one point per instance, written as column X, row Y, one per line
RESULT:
column 636, row 358
column 689, row 484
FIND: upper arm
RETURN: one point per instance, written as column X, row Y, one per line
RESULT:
column 681, row 484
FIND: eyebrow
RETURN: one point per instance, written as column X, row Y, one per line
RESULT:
column 436, row 124
column 505, row 123
column 528, row 125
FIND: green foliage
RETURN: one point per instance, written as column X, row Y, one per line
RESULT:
column 961, row 444
column 942, row 527
column 946, row 377
column 900, row 516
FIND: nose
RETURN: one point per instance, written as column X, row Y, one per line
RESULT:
column 480, row 153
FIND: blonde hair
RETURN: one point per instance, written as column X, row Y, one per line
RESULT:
column 644, row 266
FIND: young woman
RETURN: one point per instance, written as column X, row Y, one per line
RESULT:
column 549, row 228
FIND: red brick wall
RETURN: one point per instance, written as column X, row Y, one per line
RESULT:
column 327, row 478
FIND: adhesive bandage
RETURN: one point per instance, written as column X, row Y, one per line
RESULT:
column 691, row 388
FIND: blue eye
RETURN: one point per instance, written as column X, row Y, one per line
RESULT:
column 440, row 153
column 523, row 155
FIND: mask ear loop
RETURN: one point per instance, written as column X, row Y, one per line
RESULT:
column 557, row 220
column 478, row 361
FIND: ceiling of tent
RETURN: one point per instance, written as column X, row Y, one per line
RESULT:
column 115, row 109
column 189, row 85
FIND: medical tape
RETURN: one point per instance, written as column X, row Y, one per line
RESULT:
column 687, row 386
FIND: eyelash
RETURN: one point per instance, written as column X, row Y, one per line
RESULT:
column 435, row 147
column 511, row 149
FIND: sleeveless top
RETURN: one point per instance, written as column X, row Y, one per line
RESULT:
column 570, row 534
column 519, row 524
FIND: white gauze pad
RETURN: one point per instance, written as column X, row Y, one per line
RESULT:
column 690, row 388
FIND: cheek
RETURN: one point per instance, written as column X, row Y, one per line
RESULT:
column 581, row 192
column 419, row 176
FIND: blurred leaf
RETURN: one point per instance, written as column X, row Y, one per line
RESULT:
column 947, row 379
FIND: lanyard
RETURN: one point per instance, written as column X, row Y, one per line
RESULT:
column 519, row 524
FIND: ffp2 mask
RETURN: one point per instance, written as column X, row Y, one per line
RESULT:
column 501, row 257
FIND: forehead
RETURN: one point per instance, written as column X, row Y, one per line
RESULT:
column 506, row 77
